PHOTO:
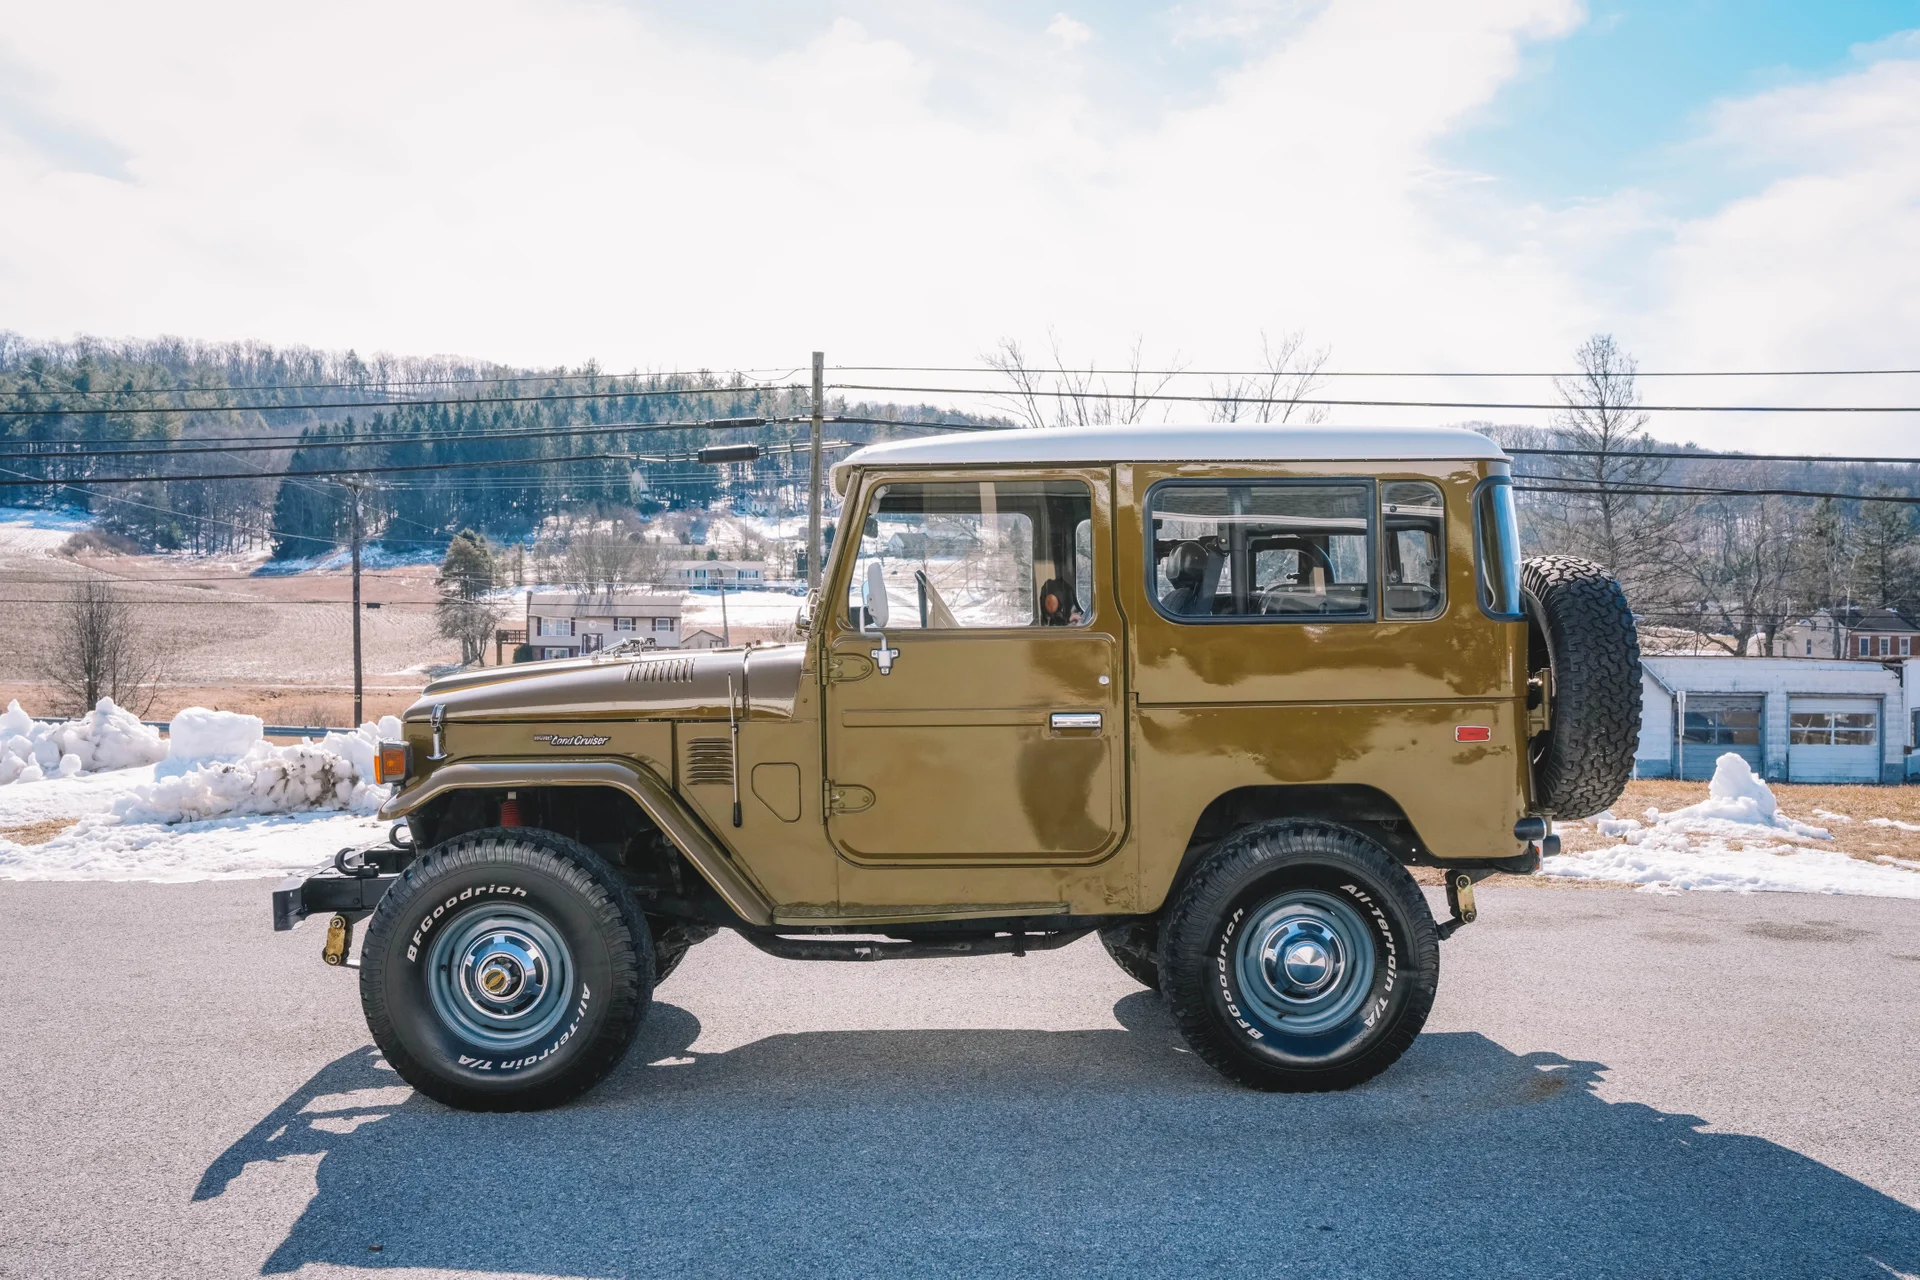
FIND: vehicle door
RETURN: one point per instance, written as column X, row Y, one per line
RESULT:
column 987, row 726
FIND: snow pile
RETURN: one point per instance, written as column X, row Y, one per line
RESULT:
column 1893, row 823
column 107, row 737
column 219, row 766
column 1735, row 840
column 1739, row 806
column 102, row 848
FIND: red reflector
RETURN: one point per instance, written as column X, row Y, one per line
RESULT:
column 1473, row 733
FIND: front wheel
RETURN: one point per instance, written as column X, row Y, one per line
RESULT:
column 1300, row 957
column 506, row 970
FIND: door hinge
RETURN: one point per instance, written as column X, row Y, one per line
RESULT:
column 844, row 797
column 1540, row 703
column 848, row 666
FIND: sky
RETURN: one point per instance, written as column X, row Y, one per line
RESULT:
column 1464, row 187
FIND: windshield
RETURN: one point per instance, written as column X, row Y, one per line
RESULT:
column 1497, row 548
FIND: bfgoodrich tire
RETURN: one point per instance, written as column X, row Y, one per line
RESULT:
column 506, row 970
column 1299, row 957
column 1580, row 628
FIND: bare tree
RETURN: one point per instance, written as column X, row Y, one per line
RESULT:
column 102, row 651
column 1605, row 513
column 1291, row 372
column 1069, row 396
column 1743, row 581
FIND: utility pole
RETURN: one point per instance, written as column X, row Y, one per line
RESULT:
column 726, row 632
column 813, row 489
column 354, row 489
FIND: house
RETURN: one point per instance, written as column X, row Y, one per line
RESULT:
column 720, row 573
column 702, row 639
column 1850, row 632
column 1791, row 719
column 567, row 624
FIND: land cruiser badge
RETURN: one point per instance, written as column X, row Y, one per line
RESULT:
column 572, row 739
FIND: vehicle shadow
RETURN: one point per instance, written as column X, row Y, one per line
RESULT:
column 1060, row 1153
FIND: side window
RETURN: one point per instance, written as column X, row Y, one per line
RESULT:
column 996, row 553
column 1413, row 582
column 1496, row 546
column 1276, row 551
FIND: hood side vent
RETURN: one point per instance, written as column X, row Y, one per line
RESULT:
column 661, row 671
column 709, row 760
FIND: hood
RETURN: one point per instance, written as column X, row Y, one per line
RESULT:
column 759, row 681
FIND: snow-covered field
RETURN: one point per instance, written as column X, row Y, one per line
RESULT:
column 215, row 801
column 35, row 530
column 1736, row 840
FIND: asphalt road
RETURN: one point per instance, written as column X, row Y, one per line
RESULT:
column 1612, row 1084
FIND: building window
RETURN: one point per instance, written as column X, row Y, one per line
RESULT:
column 1906, row 646
column 553, row 626
column 1831, row 729
column 663, row 624
column 556, row 653
column 1723, row 726
column 1866, row 646
column 1886, row 645
column 623, row 624
column 1809, row 646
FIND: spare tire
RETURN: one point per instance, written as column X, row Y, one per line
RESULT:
column 1583, row 657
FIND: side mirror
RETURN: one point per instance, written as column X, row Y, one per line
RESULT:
column 873, row 597
column 873, row 607
column 803, row 619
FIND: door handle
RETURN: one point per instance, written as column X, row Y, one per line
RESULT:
column 1062, row 720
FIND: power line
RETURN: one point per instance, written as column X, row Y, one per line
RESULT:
column 392, row 404
column 1711, row 457
column 516, row 433
column 369, row 384
column 1372, row 373
column 1161, row 396
column 331, row 471
column 1592, row 489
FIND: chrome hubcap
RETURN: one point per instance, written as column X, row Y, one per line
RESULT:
column 1305, row 962
column 499, row 976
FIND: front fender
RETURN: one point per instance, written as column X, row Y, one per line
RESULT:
column 667, row 810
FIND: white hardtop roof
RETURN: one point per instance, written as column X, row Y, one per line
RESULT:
column 1204, row 442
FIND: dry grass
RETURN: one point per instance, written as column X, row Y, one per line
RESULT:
column 1798, row 800
column 37, row 832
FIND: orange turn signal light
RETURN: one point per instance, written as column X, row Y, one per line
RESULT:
column 390, row 765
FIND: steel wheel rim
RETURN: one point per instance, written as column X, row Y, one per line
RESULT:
column 1305, row 962
column 500, row 977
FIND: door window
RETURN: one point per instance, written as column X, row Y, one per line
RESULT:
column 1272, row 552
column 989, row 554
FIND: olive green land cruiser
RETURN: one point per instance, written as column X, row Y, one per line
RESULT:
column 1209, row 692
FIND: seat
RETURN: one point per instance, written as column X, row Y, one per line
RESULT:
column 1193, row 576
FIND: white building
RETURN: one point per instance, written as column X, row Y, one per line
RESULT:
column 717, row 573
column 1792, row 719
column 567, row 624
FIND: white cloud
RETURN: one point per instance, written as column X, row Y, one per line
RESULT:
column 547, row 182
column 1068, row 31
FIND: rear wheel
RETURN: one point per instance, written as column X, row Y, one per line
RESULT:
column 1300, row 957
column 506, row 970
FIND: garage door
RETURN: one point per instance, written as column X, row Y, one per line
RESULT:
column 1717, row 724
column 1833, row 740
